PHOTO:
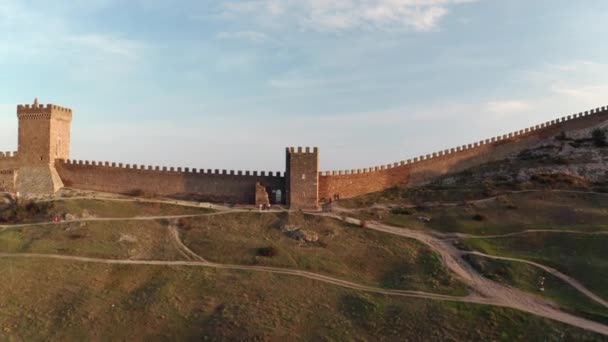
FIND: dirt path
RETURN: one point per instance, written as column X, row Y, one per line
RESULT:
column 500, row 294
column 548, row 313
column 523, row 232
column 136, row 218
column 571, row 281
column 337, row 208
column 485, row 291
column 304, row 274
column 182, row 248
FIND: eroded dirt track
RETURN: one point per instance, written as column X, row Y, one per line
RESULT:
column 499, row 294
column 485, row 291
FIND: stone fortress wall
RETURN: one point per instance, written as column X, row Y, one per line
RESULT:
column 208, row 185
column 7, row 180
column 423, row 169
column 9, row 159
column 42, row 165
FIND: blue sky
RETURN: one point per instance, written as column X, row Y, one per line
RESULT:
column 230, row 84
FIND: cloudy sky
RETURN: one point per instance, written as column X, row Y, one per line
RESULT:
column 230, row 84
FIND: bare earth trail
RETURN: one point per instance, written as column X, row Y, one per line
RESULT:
column 338, row 208
column 523, row 232
column 136, row 218
column 573, row 282
column 486, row 291
column 502, row 295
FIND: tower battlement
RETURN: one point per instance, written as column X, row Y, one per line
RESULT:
column 43, row 112
column 302, row 150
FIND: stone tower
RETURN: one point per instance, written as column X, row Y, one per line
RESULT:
column 44, row 136
column 302, row 178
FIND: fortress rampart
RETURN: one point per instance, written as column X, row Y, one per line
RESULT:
column 210, row 185
column 7, row 180
column 42, row 166
column 9, row 160
column 422, row 169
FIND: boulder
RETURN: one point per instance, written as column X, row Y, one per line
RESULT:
column 304, row 235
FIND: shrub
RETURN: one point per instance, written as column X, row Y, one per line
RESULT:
column 599, row 137
column 183, row 224
column 502, row 178
column 267, row 252
column 134, row 193
column 526, row 155
column 479, row 217
column 561, row 161
column 559, row 179
column 561, row 136
column 489, row 190
column 26, row 211
column 402, row 211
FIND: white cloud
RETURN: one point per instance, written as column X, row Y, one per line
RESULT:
column 577, row 82
column 508, row 107
column 597, row 93
column 106, row 44
column 341, row 15
column 81, row 55
column 250, row 36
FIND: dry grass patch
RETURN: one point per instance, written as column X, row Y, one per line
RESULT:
column 342, row 250
column 113, row 240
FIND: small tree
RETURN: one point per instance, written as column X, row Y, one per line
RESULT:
column 599, row 137
column 267, row 252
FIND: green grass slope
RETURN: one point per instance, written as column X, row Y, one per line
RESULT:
column 343, row 250
column 57, row 300
column 534, row 280
column 584, row 257
column 110, row 240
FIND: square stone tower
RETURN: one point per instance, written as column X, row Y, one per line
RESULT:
column 302, row 178
column 44, row 136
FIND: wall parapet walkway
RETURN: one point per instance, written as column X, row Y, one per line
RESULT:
column 9, row 160
column 188, row 170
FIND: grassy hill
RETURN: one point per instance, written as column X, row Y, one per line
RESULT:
column 56, row 300
column 343, row 250
column 535, row 280
column 584, row 257
column 546, row 205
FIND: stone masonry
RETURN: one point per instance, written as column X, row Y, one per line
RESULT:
column 302, row 170
column 44, row 136
column 261, row 196
column 42, row 165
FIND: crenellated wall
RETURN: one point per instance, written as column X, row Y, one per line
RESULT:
column 422, row 169
column 213, row 185
column 8, row 160
column 42, row 166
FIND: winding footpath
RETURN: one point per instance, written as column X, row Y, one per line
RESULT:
column 501, row 295
column 567, row 279
column 523, row 232
column 485, row 291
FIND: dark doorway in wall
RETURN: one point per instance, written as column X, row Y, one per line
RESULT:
column 277, row 196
